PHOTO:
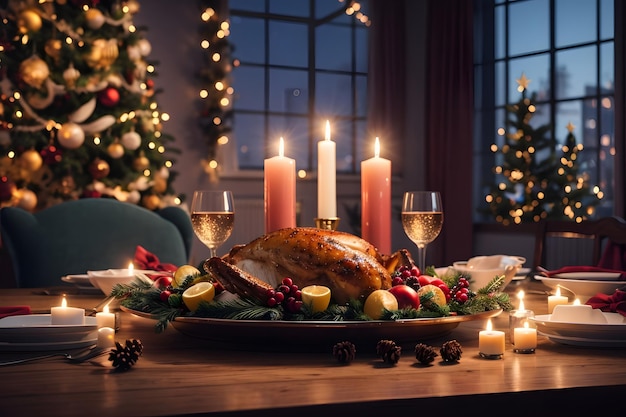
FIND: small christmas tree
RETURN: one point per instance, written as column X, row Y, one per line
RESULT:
column 78, row 115
column 538, row 178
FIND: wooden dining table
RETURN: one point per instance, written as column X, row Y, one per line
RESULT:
column 179, row 375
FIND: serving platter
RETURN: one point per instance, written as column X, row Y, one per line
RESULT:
column 590, row 276
column 256, row 334
column 609, row 334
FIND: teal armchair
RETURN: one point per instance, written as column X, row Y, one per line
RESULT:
column 89, row 234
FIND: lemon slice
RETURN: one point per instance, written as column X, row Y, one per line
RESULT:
column 377, row 301
column 438, row 298
column 316, row 296
column 194, row 295
column 182, row 273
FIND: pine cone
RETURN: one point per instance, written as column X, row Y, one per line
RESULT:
column 344, row 351
column 451, row 351
column 425, row 354
column 389, row 351
column 124, row 357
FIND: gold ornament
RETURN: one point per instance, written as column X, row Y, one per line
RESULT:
column 67, row 185
column 31, row 160
column 70, row 75
column 71, row 135
column 94, row 18
column 103, row 53
column 141, row 163
column 26, row 199
column 53, row 48
column 159, row 185
column 151, row 201
column 115, row 150
column 34, row 71
column 28, row 21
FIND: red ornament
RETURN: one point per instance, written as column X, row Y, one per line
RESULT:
column 51, row 155
column 150, row 84
column 99, row 168
column 7, row 188
column 109, row 97
column 91, row 194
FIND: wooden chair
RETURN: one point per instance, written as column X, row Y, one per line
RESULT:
column 90, row 234
column 596, row 242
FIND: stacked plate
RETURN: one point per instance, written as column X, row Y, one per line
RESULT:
column 33, row 332
column 584, row 285
column 610, row 334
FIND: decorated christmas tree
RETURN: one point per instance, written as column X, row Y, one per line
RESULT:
column 538, row 178
column 78, row 110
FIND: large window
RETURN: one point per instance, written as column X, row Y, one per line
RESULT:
column 566, row 48
column 301, row 63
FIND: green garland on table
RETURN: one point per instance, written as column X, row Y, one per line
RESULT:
column 143, row 297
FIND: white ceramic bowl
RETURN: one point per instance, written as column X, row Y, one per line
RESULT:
column 106, row 279
column 482, row 269
column 581, row 288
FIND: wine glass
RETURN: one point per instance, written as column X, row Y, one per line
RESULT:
column 422, row 220
column 212, row 217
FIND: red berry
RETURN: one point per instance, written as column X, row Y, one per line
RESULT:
column 293, row 288
column 165, row 295
column 279, row 296
column 397, row 281
column 287, row 281
column 415, row 271
column 405, row 274
column 271, row 302
column 284, row 289
column 297, row 295
column 461, row 297
column 444, row 288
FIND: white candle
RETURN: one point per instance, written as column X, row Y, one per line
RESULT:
column 106, row 337
column 64, row 315
column 376, row 201
column 519, row 317
column 525, row 339
column 105, row 319
column 555, row 300
column 577, row 313
column 280, row 191
column 490, row 342
column 326, row 177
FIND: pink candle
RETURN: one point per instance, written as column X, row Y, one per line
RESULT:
column 376, row 201
column 280, row 191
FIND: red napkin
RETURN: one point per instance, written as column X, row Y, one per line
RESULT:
column 583, row 268
column 615, row 303
column 14, row 311
column 147, row 260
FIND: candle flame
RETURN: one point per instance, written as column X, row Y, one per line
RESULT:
column 576, row 302
column 526, row 326
column 489, row 326
column 105, row 309
column 520, row 294
column 281, row 147
column 521, row 305
column 131, row 267
column 327, row 131
column 558, row 291
column 64, row 303
column 377, row 148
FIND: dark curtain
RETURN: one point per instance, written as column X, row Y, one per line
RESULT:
column 620, row 110
column 449, row 123
column 448, row 98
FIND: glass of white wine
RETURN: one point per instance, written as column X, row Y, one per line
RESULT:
column 422, row 220
column 212, row 217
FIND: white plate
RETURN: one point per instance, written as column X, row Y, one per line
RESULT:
column 57, row 346
column 591, row 276
column 583, row 289
column 37, row 329
column 81, row 281
column 611, row 334
column 522, row 272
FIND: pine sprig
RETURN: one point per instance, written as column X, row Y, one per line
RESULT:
column 238, row 309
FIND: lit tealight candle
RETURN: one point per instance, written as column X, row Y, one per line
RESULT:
column 518, row 317
column 64, row 315
column 105, row 319
column 555, row 300
column 106, row 337
column 525, row 339
column 280, row 191
column 491, row 342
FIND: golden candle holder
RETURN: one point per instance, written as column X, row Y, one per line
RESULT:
column 327, row 224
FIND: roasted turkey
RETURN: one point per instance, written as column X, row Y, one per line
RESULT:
column 350, row 266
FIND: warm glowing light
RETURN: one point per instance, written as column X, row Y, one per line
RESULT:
column 281, row 147
column 377, row 148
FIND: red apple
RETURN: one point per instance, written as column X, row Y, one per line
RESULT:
column 163, row 282
column 407, row 297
